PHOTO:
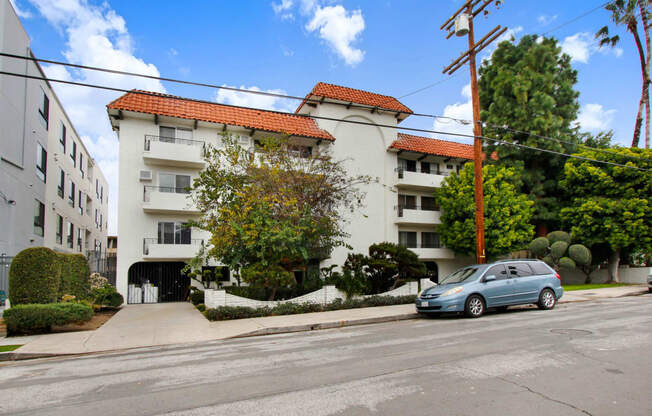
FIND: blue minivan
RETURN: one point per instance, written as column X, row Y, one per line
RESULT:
column 474, row 289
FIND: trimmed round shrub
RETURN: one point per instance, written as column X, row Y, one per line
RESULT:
column 197, row 297
column 34, row 277
column 539, row 246
column 106, row 296
column 75, row 275
column 558, row 249
column 579, row 254
column 38, row 318
column 549, row 261
column 114, row 300
column 555, row 236
column 566, row 263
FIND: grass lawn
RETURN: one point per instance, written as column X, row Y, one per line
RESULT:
column 569, row 288
column 7, row 348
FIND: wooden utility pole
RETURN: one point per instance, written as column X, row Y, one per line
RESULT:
column 461, row 23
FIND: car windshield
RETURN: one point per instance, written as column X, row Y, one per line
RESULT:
column 459, row 276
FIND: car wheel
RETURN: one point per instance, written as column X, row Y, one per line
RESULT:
column 474, row 307
column 547, row 299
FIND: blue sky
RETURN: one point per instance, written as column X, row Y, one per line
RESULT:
column 390, row 47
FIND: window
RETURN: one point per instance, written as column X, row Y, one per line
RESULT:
column 101, row 195
column 519, row 270
column 71, row 193
column 62, row 183
column 44, row 110
column 407, row 239
column 96, row 217
column 540, row 268
column 425, row 167
column 81, row 164
column 59, row 233
column 70, row 235
column 429, row 203
column 449, row 167
column 300, row 151
column 39, row 218
column 41, row 161
column 173, row 233
column 79, row 203
column 430, row 240
column 62, row 139
column 408, row 165
column 73, row 153
column 498, row 271
column 407, row 201
column 101, row 222
column 173, row 183
column 79, row 239
column 97, row 189
column 174, row 134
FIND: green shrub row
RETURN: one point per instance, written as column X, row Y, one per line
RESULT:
column 38, row 318
column 224, row 313
column 106, row 296
column 40, row 275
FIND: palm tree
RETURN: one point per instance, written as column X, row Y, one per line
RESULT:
column 626, row 12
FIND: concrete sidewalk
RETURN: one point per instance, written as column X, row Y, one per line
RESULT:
column 138, row 326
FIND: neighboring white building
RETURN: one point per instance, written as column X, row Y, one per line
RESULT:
column 35, row 209
column 161, row 141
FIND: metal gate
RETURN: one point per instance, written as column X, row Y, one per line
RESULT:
column 153, row 282
column 5, row 262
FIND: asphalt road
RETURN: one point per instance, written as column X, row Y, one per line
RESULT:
column 592, row 358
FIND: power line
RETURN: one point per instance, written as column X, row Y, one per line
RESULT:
column 441, row 81
column 576, row 18
column 326, row 118
column 278, row 95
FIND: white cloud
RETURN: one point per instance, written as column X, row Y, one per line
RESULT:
column 95, row 36
column 265, row 102
column 173, row 52
column 283, row 9
column 25, row 14
column 582, row 45
column 339, row 28
column 593, row 117
column 545, row 20
column 460, row 110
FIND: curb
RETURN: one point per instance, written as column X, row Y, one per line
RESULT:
column 590, row 298
column 326, row 325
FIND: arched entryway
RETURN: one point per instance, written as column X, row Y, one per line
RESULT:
column 158, row 281
column 433, row 271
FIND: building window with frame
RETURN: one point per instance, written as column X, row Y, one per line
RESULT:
column 62, row 183
column 173, row 233
column 71, row 193
column 101, row 221
column 407, row 239
column 62, row 139
column 79, row 239
column 175, row 135
column 73, row 153
column 102, row 195
column 39, row 218
column 44, row 110
column 71, row 235
column 407, row 165
column 407, row 201
column 169, row 182
column 80, row 208
column 430, row 240
column 81, row 164
column 429, row 203
column 41, row 162
column 59, row 231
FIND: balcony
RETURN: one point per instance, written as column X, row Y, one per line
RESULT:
column 153, row 250
column 432, row 253
column 415, row 215
column 173, row 152
column 418, row 180
column 168, row 200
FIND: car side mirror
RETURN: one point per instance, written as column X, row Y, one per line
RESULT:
column 489, row 278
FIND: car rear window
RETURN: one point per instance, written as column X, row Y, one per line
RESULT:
column 540, row 268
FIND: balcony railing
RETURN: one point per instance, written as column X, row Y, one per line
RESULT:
column 189, row 142
column 147, row 189
column 401, row 171
column 423, row 245
column 401, row 208
column 150, row 241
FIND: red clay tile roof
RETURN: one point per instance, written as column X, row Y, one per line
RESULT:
column 337, row 92
column 430, row 146
column 173, row 106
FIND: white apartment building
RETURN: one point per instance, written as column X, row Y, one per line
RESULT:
column 51, row 192
column 161, row 141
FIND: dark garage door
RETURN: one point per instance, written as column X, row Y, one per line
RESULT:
column 172, row 285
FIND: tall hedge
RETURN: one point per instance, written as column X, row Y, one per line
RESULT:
column 75, row 275
column 34, row 276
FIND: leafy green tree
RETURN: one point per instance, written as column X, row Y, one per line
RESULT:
column 277, row 206
column 507, row 211
column 389, row 264
column 529, row 87
column 610, row 204
column 556, row 250
column 628, row 13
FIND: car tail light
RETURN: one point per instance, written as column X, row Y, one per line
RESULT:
column 557, row 276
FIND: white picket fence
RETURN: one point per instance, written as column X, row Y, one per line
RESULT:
column 327, row 294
